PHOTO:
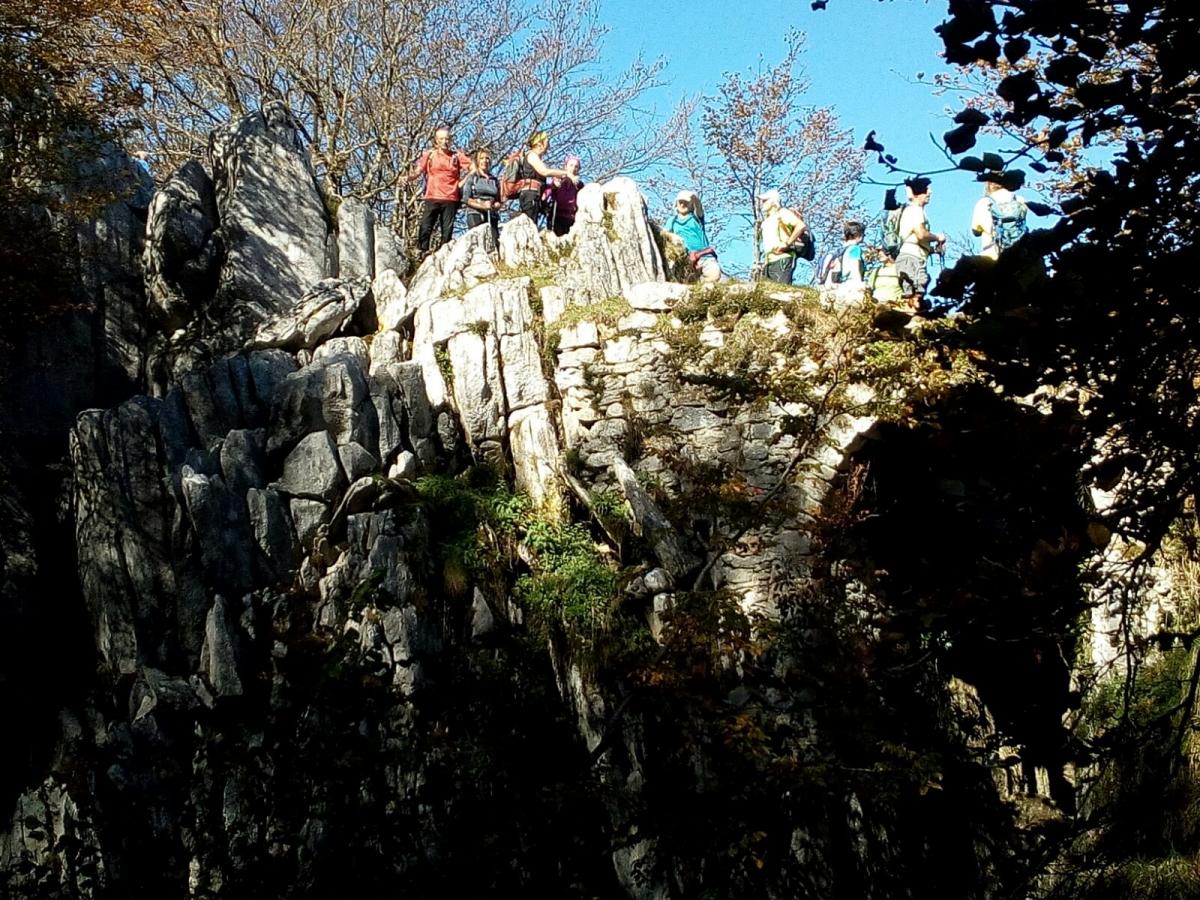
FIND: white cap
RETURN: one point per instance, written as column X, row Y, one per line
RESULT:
column 686, row 196
column 771, row 196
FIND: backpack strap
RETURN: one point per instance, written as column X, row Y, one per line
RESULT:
column 785, row 231
column 1017, row 199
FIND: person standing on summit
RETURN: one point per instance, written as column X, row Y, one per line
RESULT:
column 532, row 175
column 998, row 219
column 481, row 197
column 562, row 196
column 443, row 168
column 917, row 243
column 782, row 234
column 688, row 223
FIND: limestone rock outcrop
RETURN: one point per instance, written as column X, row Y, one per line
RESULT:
column 183, row 247
column 273, row 220
column 93, row 350
column 243, row 251
column 339, row 562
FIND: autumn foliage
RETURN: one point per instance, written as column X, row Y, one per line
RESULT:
column 757, row 132
column 63, row 92
column 370, row 80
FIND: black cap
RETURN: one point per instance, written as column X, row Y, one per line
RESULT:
column 1010, row 180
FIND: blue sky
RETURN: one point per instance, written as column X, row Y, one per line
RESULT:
column 862, row 58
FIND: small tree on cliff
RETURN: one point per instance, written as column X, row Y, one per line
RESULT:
column 63, row 85
column 757, row 133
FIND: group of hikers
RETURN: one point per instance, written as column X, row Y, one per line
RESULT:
column 453, row 180
column 900, row 277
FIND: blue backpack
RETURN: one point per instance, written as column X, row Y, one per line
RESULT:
column 1008, row 221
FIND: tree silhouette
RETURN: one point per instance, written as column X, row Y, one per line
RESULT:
column 61, row 98
column 1117, row 316
column 1106, row 98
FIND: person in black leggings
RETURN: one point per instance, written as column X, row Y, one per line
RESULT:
column 533, row 174
column 443, row 167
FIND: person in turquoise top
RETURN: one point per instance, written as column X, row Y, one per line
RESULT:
column 847, row 267
column 688, row 223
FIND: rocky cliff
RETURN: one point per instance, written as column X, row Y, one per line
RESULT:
column 533, row 573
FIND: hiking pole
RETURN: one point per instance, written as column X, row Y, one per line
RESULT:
column 941, row 262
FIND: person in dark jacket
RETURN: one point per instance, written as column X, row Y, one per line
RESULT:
column 481, row 196
column 563, row 197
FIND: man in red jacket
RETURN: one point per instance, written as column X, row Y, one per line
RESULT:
column 443, row 169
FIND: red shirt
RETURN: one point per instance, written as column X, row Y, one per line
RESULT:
column 442, row 170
